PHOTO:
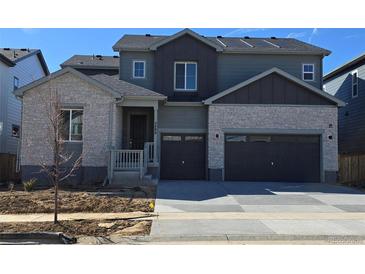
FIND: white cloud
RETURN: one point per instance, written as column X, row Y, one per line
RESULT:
column 296, row 34
column 30, row 31
column 314, row 33
column 241, row 31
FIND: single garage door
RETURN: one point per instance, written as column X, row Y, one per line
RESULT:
column 287, row 158
column 183, row 157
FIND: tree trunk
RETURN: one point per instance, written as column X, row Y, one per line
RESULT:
column 55, row 221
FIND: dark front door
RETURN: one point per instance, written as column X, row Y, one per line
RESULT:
column 287, row 158
column 138, row 126
column 183, row 157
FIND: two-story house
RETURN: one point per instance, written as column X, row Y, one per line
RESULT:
column 191, row 107
column 347, row 83
column 18, row 67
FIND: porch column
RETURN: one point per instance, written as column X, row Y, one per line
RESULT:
column 155, row 127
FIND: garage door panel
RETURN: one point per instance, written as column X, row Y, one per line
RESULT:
column 183, row 157
column 272, row 158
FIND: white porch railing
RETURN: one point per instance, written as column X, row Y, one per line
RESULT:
column 127, row 159
column 149, row 151
column 131, row 160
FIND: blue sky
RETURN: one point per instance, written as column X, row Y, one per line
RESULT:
column 58, row 45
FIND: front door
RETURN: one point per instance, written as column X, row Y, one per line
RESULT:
column 138, row 132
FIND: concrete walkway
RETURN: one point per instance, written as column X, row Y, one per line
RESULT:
column 48, row 217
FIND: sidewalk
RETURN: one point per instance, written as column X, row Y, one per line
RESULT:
column 48, row 217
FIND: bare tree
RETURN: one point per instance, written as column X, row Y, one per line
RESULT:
column 62, row 163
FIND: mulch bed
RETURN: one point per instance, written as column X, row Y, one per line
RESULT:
column 42, row 201
column 83, row 227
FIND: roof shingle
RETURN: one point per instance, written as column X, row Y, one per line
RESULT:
column 123, row 87
column 228, row 44
column 92, row 61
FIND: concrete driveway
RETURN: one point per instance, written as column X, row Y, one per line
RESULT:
column 257, row 208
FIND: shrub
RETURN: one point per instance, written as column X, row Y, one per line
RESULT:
column 29, row 185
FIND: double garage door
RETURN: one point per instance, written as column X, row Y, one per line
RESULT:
column 287, row 158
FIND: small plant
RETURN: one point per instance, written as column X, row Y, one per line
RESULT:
column 11, row 186
column 29, row 185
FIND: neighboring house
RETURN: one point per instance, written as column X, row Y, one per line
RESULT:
column 192, row 107
column 93, row 64
column 348, row 84
column 18, row 67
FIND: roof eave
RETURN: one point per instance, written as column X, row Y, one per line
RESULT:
column 89, row 67
column 20, row 91
column 345, row 66
column 6, row 61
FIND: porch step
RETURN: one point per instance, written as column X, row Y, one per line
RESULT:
column 131, row 178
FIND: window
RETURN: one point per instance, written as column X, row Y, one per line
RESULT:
column 355, row 88
column 15, row 83
column 308, row 72
column 72, row 124
column 172, row 138
column 139, row 69
column 15, row 131
column 194, row 138
column 186, row 76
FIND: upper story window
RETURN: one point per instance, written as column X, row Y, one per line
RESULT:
column 15, row 83
column 308, row 72
column 15, row 131
column 72, row 124
column 139, row 69
column 186, row 76
column 355, row 85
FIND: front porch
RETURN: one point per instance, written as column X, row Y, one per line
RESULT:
column 133, row 156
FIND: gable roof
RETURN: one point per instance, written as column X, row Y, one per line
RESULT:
column 117, row 88
column 17, row 55
column 92, row 62
column 282, row 73
column 245, row 44
column 352, row 63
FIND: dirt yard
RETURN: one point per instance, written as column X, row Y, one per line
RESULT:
column 100, row 228
column 42, row 201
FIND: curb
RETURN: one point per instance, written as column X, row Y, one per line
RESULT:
column 32, row 237
column 340, row 239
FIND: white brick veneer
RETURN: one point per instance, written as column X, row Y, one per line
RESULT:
column 96, row 120
column 271, row 117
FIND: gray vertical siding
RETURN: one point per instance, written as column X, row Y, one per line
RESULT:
column 236, row 68
column 351, row 118
column 27, row 70
column 126, row 68
column 182, row 117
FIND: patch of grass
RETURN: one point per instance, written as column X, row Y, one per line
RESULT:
column 29, row 185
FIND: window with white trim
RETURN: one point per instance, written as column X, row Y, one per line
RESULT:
column 71, row 124
column 186, row 76
column 15, row 83
column 354, row 84
column 139, row 69
column 308, row 72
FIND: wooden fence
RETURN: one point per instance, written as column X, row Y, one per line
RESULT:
column 352, row 169
column 7, row 167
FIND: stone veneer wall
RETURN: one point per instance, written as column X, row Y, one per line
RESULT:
column 73, row 91
column 273, row 118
